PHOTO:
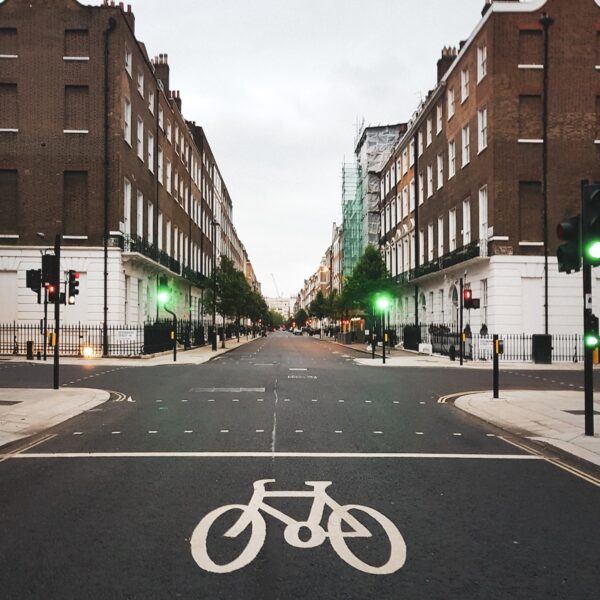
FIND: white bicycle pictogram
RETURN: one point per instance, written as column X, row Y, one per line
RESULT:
column 251, row 516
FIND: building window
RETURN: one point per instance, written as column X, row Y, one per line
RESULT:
column 9, row 107
column 421, row 189
column 482, row 129
column 440, row 237
column 411, row 153
column 451, row 107
column 466, row 214
column 160, row 165
column 429, row 131
column 140, row 83
column 484, row 301
column 76, row 118
column 405, row 161
column 140, row 139
column 128, row 61
column 168, row 132
column 76, row 44
column 429, row 181
column 438, row 120
column 430, row 242
column 481, row 63
column 169, row 169
column 464, row 85
column 483, row 213
column 421, row 247
column 405, row 202
column 451, row 159
column 75, row 202
column 466, row 148
column 440, row 171
column 150, row 152
column 177, row 139
column 139, row 223
column 168, row 247
column 159, row 232
column 452, row 229
column 151, row 101
column 150, row 225
column 161, row 118
column 176, row 186
column 127, row 207
column 420, row 143
column 127, row 120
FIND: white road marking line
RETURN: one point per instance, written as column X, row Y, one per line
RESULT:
column 260, row 431
column 368, row 401
column 378, row 432
column 224, row 430
column 211, row 400
column 457, row 434
column 338, row 431
column 271, row 455
column 314, row 400
column 286, row 399
column 184, row 400
column 298, row 369
column 78, row 433
column 421, row 402
column 340, row 401
column 260, row 399
column 419, row 433
column 396, row 401
column 490, row 435
column 235, row 400
column 188, row 431
column 115, row 432
column 274, row 431
column 299, row 431
column 159, row 400
column 152, row 431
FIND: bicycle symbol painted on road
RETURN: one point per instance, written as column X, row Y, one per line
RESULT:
column 251, row 516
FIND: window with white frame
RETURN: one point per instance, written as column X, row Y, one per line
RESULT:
column 440, row 171
column 176, row 184
column 128, row 60
column 466, row 145
column 176, row 139
column 430, row 242
column 439, row 117
column 405, row 161
column 139, row 223
column 150, row 225
column 405, row 255
column 429, row 181
column 405, row 201
column 140, row 83
column 452, row 229
column 168, row 248
column 150, row 152
column 451, row 106
column 127, row 207
column 466, row 225
column 421, row 247
column 411, row 153
column 127, row 120
column 440, row 238
column 169, row 170
column 398, row 209
column 168, row 131
column 482, row 129
column 420, row 143
column 483, row 213
column 151, row 101
column 429, row 131
column 484, row 301
column 481, row 63
column 382, row 189
column 159, row 232
column 451, row 159
column 175, row 243
column 464, row 84
column 160, row 165
column 140, row 138
column 411, row 193
column 421, row 189
column 161, row 118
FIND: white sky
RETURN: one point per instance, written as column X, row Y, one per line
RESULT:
column 279, row 85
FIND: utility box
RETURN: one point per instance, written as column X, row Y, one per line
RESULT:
column 412, row 337
column 30, row 351
column 541, row 348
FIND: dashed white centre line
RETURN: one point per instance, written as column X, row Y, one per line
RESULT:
column 340, row 401
column 152, row 431
column 338, row 431
column 490, row 435
column 314, row 400
column 115, row 432
column 78, row 433
column 378, row 432
column 211, row 400
column 260, row 431
column 188, row 431
column 421, row 402
column 235, row 400
column 299, row 431
column 260, row 400
column 419, row 433
column 159, row 400
column 286, row 399
column 368, row 401
column 224, row 430
column 184, row 400
column 457, row 434
column 396, row 401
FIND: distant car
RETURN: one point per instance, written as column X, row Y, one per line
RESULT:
column 297, row 331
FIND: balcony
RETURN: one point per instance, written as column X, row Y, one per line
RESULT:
column 134, row 243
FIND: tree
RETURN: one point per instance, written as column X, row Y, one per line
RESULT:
column 301, row 317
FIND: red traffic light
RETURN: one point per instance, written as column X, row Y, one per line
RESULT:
column 51, row 289
column 76, row 274
column 467, row 294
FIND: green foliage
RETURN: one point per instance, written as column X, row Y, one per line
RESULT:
column 318, row 307
column 275, row 319
column 368, row 278
column 301, row 317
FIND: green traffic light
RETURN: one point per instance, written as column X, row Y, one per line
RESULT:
column 382, row 302
column 163, row 296
column 591, row 340
column 593, row 250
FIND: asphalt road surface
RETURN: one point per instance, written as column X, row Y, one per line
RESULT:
column 133, row 499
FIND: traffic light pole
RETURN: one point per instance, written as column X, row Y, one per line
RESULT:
column 460, row 319
column 57, row 313
column 588, row 370
column 45, row 321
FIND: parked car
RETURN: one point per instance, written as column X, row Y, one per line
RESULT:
column 297, row 331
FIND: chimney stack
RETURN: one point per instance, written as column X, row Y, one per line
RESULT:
column 443, row 64
column 161, row 69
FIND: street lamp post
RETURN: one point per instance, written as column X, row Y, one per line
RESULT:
column 164, row 295
column 215, row 224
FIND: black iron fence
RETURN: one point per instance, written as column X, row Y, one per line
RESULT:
column 123, row 340
column 444, row 339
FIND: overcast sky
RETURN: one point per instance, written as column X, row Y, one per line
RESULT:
column 279, row 85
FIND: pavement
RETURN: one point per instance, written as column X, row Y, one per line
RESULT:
column 549, row 418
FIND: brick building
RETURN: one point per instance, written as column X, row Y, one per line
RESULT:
column 94, row 146
column 462, row 194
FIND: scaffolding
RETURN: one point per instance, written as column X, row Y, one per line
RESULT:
column 352, row 217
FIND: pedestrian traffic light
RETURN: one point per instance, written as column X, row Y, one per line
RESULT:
column 52, row 293
column 164, row 292
column 33, row 280
column 591, row 224
column 467, row 297
column 568, row 253
column 73, row 286
column 591, row 338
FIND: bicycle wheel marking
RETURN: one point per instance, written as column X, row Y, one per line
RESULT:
column 340, row 514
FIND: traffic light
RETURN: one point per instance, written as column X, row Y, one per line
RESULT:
column 33, row 280
column 468, row 301
column 164, row 292
column 50, row 268
column 591, row 338
column 52, row 293
column 73, row 286
column 591, row 224
column 568, row 253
